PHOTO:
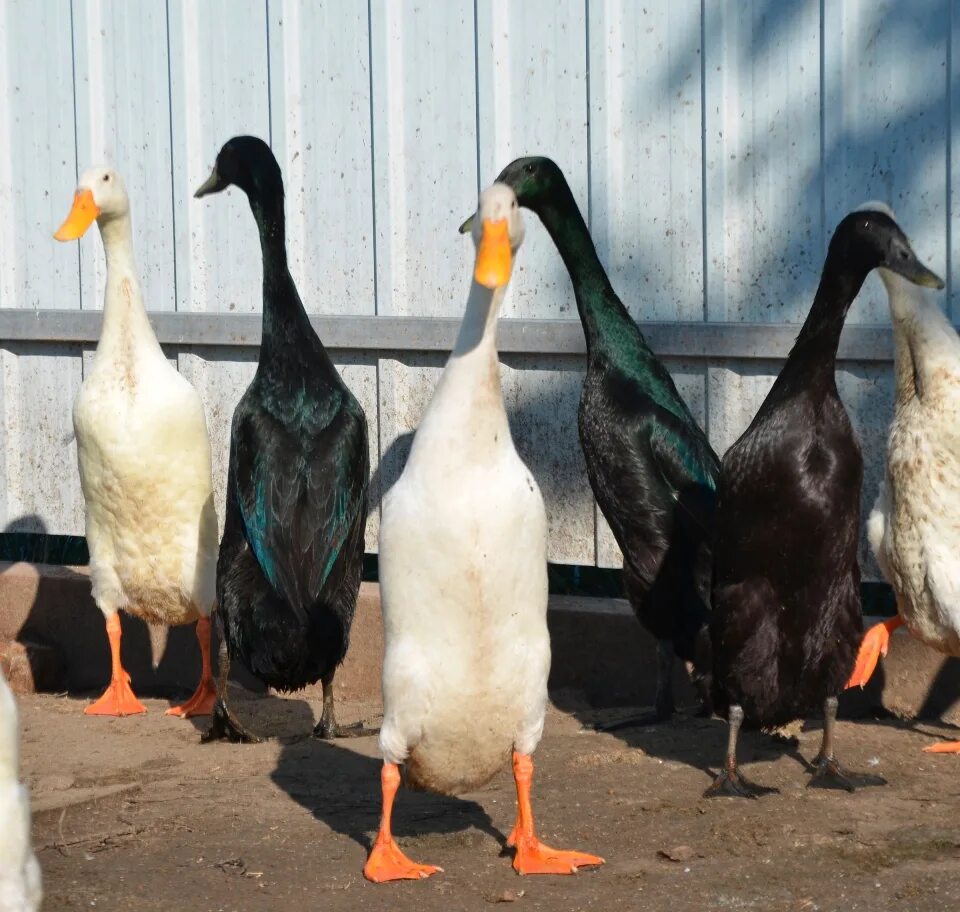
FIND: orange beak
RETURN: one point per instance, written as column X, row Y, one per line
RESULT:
column 81, row 217
column 494, row 257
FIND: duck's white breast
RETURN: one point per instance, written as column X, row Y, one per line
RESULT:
column 464, row 587
column 922, row 539
column 144, row 460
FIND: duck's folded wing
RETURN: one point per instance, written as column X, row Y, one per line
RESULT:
column 690, row 469
column 301, row 501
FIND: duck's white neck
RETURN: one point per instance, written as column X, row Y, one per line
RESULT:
column 924, row 340
column 478, row 331
column 466, row 415
column 125, row 322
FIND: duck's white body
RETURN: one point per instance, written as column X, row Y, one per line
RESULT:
column 144, row 459
column 20, row 889
column 914, row 528
column 463, row 581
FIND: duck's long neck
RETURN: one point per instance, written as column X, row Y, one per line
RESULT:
column 812, row 361
column 284, row 318
column 468, row 401
column 603, row 315
column 124, row 315
column 902, row 316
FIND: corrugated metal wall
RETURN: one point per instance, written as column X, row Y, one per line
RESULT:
column 713, row 145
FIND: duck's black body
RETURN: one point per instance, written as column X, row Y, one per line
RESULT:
column 786, row 587
column 650, row 465
column 786, row 595
column 291, row 555
column 292, row 548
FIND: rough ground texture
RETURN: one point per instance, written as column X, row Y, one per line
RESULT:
column 136, row 814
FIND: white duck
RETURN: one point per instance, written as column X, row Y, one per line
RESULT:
column 20, row 889
column 463, row 578
column 144, row 459
column 914, row 528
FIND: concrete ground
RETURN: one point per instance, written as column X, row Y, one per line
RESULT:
column 136, row 814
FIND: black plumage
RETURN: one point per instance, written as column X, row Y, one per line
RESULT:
column 291, row 555
column 786, row 590
column 650, row 465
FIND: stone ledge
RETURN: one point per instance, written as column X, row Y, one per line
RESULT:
column 600, row 651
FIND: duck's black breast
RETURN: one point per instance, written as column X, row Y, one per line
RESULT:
column 653, row 474
column 786, row 581
column 293, row 539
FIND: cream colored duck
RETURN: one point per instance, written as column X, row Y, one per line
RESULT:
column 914, row 528
column 144, row 459
column 20, row 889
column 463, row 577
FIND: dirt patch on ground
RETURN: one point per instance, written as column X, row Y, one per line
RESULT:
column 136, row 814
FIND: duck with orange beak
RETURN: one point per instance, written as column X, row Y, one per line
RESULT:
column 144, row 459
column 463, row 581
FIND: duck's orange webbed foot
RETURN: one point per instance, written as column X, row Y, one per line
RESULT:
column 943, row 747
column 117, row 700
column 875, row 643
column 533, row 857
column 200, row 704
column 387, row 862
column 205, row 696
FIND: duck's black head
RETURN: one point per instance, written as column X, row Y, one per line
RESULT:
column 535, row 179
column 539, row 185
column 870, row 238
column 248, row 163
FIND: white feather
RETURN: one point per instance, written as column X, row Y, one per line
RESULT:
column 916, row 537
column 20, row 887
column 142, row 449
column 463, row 571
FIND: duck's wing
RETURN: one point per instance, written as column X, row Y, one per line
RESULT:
column 302, row 493
column 689, row 468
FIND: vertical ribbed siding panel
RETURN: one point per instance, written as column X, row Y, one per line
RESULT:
column 37, row 178
column 532, row 90
column 123, row 121
column 425, row 178
column 219, row 88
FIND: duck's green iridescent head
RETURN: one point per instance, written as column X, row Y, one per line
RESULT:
column 534, row 179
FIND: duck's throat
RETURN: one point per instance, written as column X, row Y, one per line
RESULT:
column 284, row 317
column 125, row 322
column 479, row 327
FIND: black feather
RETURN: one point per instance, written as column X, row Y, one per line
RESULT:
column 786, row 591
column 650, row 465
column 291, row 555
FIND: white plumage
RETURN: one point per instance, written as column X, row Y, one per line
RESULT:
column 143, row 454
column 463, row 582
column 20, row 888
column 463, row 572
column 914, row 527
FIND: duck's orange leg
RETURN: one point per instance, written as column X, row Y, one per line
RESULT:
column 943, row 747
column 532, row 856
column 118, row 699
column 875, row 643
column 201, row 703
column 386, row 861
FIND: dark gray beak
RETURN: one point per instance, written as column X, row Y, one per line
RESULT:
column 914, row 271
column 213, row 184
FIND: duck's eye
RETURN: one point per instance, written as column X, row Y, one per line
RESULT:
column 106, row 177
column 903, row 255
column 529, row 169
column 513, row 205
